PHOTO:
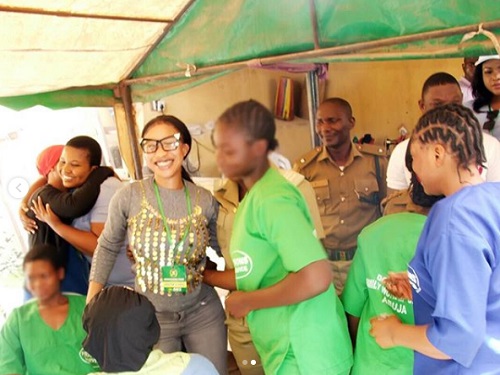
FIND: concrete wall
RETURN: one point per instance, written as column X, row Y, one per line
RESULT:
column 383, row 95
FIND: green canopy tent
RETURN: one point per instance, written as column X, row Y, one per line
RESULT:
column 67, row 53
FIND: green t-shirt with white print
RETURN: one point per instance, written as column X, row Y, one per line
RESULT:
column 273, row 235
column 386, row 245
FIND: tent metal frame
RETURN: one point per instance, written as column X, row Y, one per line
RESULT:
column 322, row 52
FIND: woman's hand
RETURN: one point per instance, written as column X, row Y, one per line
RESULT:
column 44, row 213
column 130, row 254
column 237, row 304
column 29, row 224
column 398, row 284
column 383, row 328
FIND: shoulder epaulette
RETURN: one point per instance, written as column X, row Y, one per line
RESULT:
column 372, row 149
column 292, row 176
column 307, row 158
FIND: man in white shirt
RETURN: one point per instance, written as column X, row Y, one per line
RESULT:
column 440, row 89
column 465, row 82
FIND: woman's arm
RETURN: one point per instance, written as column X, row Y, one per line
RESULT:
column 94, row 288
column 306, row 283
column 28, row 223
column 353, row 324
column 84, row 241
column 79, row 201
column 388, row 332
column 111, row 239
column 222, row 279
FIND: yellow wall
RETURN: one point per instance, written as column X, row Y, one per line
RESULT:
column 383, row 95
column 205, row 103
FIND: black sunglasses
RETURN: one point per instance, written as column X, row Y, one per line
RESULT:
column 491, row 116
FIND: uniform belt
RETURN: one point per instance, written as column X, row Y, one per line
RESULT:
column 341, row 254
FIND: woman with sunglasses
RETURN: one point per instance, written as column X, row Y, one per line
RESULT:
column 486, row 91
column 169, row 222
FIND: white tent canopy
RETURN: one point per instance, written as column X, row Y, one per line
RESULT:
column 48, row 45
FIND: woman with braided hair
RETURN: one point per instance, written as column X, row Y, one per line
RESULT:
column 454, row 275
column 281, row 281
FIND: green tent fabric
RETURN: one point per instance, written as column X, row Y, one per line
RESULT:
column 209, row 38
column 62, row 99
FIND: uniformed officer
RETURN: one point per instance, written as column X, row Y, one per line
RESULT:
column 349, row 181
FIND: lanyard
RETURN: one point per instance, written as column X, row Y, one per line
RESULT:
column 165, row 224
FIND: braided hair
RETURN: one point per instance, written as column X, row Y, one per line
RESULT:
column 416, row 190
column 457, row 128
column 254, row 118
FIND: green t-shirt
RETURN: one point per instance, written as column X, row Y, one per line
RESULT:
column 29, row 346
column 386, row 245
column 273, row 236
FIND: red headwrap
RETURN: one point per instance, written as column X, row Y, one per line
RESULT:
column 48, row 159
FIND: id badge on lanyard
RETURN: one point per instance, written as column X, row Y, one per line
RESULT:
column 174, row 279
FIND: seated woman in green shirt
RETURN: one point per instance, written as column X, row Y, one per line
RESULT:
column 283, row 280
column 44, row 336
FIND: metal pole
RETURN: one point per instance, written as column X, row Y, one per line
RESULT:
column 126, row 98
column 322, row 52
column 68, row 14
column 314, row 23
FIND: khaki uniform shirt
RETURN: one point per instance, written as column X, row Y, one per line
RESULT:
column 400, row 201
column 348, row 198
column 227, row 196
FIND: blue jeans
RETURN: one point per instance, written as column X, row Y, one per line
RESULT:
column 199, row 329
column 76, row 278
